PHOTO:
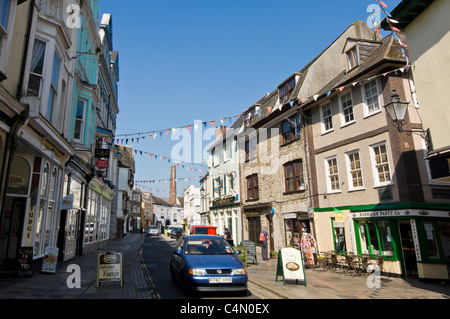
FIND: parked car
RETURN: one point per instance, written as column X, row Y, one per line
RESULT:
column 152, row 231
column 203, row 230
column 168, row 230
column 173, row 232
column 207, row 263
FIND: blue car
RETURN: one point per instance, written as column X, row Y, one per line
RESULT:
column 207, row 263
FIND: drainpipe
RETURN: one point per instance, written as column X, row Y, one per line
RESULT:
column 25, row 50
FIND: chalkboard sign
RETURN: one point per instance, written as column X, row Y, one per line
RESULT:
column 251, row 251
column 25, row 262
column 109, row 267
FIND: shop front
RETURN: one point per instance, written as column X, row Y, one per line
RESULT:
column 257, row 217
column 226, row 213
column 412, row 238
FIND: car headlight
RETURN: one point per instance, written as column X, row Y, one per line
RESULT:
column 240, row 271
column 197, row 272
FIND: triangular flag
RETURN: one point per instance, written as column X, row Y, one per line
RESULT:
column 316, row 96
column 341, row 88
column 291, row 103
column 303, row 99
column 188, row 128
column 382, row 3
column 212, row 123
column 269, row 109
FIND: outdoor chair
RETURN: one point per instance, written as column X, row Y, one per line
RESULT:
column 351, row 264
column 380, row 262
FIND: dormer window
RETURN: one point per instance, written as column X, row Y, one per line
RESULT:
column 352, row 58
column 285, row 90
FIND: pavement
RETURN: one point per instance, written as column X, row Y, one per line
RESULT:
column 263, row 281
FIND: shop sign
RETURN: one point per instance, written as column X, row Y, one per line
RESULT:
column 109, row 267
column 290, row 265
column 399, row 213
column 102, row 164
column 416, row 240
column 67, row 202
column 50, row 260
column 27, row 238
column 102, row 152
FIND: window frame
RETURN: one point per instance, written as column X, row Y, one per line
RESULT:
column 6, row 38
column 293, row 132
column 323, row 118
column 82, row 121
column 350, row 171
column 286, row 89
column 297, row 176
column 252, row 187
column 352, row 57
column 330, row 182
column 373, row 155
column 367, row 111
column 344, row 121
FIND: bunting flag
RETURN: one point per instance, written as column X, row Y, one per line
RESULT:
column 391, row 21
column 165, row 158
column 182, row 179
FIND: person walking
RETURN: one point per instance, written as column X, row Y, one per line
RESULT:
column 228, row 236
column 263, row 236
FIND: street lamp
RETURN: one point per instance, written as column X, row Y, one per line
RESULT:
column 396, row 109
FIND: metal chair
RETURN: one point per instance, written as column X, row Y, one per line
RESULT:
column 380, row 262
column 351, row 264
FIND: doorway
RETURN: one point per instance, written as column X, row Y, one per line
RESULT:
column 254, row 228
column 408, row 249
column 10, row 238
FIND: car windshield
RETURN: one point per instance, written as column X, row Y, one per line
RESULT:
column 206, row 246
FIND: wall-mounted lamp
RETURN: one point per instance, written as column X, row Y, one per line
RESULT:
column 396, row 109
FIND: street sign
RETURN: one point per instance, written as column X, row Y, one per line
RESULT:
column 102, row 164
column 109, row 267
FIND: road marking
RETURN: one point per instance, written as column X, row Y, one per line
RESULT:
column 257, row 294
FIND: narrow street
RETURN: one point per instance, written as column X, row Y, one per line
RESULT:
column 157, row 253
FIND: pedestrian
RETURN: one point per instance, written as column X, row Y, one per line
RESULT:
column 263, row 236
column 228, row 236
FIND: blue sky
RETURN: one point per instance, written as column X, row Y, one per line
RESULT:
column 183, row 61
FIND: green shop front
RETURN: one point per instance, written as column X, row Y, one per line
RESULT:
column 413, row 238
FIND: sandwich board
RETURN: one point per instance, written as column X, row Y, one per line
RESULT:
column 290, row 265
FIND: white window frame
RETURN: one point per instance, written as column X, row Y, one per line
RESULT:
column 367, row 111
column 322, row 118
column 6, row 37
column 341, row 109
column 377, row 181
column 328, row 175
column 351, row 185
column 83, row 122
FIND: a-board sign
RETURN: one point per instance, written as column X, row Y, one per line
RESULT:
column 50, row 260
column 251, row 251
column 109, row 267
column 25, row 262
column 290, row 265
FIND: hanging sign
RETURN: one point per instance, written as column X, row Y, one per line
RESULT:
column 109, row 267
column 290, row 265
column 50, row 260
column 102, row 164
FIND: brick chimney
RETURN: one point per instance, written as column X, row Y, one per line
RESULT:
column 173, row 186
column 220, row 131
